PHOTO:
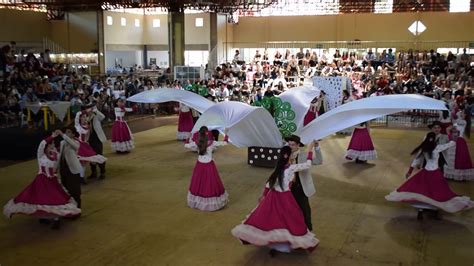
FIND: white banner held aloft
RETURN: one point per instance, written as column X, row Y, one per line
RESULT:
column 366, row 109
column 161, row 95
column 248, row 126
column 299, row 100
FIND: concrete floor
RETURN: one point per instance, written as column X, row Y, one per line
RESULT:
column 138, row 215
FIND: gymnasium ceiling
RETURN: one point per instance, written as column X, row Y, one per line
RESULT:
column 229, row 6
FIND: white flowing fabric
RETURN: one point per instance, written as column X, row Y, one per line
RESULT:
column 300, row 99
column 359, row 111
column 248, row 126
column 161, row 95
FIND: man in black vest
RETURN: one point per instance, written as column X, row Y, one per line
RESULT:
column 69, row 164
column 96, row 140
column 298, row 189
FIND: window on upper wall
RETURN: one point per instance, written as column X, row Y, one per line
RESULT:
column 156, row 23
column 199, row 22
column 137, row 23
column 459, row 5
column 383, row 6
column 110, row 20
column 123, row 22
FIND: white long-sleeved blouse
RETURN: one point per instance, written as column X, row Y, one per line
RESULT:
column 432, row 163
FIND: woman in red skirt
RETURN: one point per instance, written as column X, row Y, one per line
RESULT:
column 277, row 221
column 185, row 122
column 458, row 159
column 446, row 121
column 428, row 186
column 206, row 191
column 361, row 147
column 312, row 112
column 122, row 138
column 86, row 153
column 45, row 197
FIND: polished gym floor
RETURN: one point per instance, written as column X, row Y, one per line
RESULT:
column 138, row 214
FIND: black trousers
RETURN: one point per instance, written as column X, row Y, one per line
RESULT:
column 303, row 202
column 98, row 147
column 215, row 133
column 71, row 182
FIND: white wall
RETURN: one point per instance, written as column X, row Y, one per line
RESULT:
column 154, row 36
column 128, row 58
column 146, row 34
column 126, row 41
column 197, row 35
column 162, row 58
column 126, row 35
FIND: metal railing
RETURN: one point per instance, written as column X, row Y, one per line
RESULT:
column 353, row 44
column 409, row 119
column 53, row 46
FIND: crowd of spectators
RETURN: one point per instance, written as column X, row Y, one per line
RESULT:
column 427, row 73
column 26, row 79
column 448, row 77
column 29, row 79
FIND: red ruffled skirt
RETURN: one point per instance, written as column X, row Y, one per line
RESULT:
column 431, row 188
column 206, row 191
column 276, row 220
column 185, row 122
column 361, row 146
column 310, row 116
column 44, row 197
column 458, row 162
column 122, row 139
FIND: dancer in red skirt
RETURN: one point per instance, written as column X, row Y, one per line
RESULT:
column 45, row 197
column 361, row 147
column 312, row 112
column 277, row 221
column 445, row 120
column 428, row 186
column 122, row 138
column 206, row 191
column 185, row 122
column 458, row 159
column 86, row 153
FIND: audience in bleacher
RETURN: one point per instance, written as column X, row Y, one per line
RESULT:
column 371, row 74
column 29, row 79
column 26, row 78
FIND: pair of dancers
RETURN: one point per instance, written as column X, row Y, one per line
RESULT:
column 47, row 196
column 278, row 221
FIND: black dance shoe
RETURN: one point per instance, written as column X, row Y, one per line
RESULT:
column 273, row 253
column 56, row 225
column 44, row 221
column 92, row 176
